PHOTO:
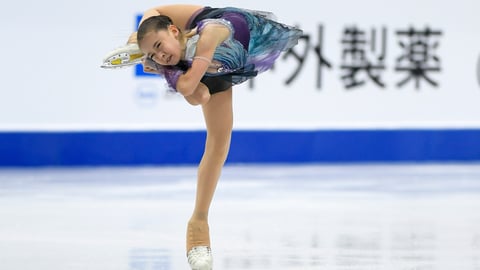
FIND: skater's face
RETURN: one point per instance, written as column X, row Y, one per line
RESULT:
column 163, row 46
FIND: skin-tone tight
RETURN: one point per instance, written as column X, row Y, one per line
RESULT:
column 218, row 117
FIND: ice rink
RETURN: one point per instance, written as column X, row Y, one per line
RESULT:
column 404, row 216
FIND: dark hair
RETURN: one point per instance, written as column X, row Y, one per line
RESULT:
column 155, row 23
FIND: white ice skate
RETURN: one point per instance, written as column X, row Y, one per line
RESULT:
column 125, row 56
column 200, row 258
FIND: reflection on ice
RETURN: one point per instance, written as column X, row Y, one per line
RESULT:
column 263, row 217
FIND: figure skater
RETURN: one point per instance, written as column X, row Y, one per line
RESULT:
column 202, row 52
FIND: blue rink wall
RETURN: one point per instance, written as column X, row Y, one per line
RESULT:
column 185, row 147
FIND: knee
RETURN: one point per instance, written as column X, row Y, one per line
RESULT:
column 192, row 101
column 203, row 98
column 196, row 100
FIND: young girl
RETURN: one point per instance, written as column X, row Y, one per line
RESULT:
column 202, row 52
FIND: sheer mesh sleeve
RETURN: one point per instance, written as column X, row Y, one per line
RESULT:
column 170, row 73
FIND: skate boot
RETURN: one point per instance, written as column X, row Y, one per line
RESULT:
column 199, row 254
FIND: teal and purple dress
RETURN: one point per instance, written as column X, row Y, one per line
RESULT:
column 256, row 40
